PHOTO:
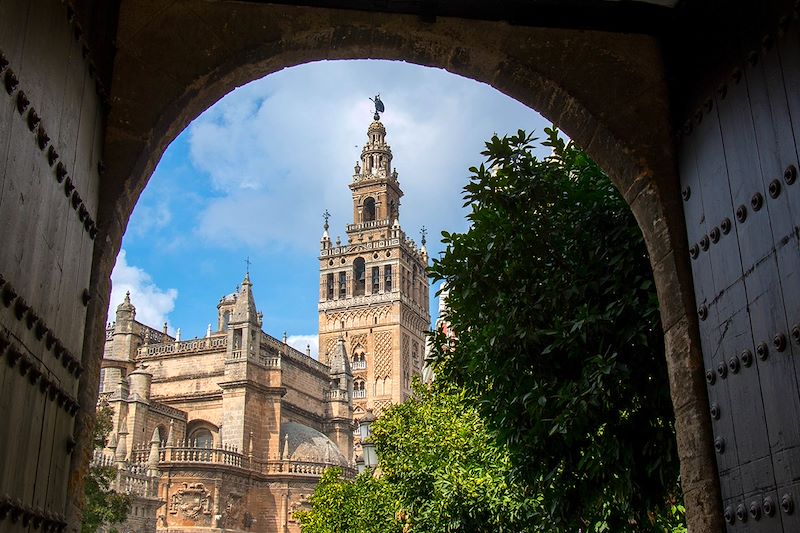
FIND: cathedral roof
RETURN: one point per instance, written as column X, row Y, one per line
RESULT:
column 308, row 444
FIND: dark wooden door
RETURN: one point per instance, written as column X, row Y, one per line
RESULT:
column 738, row 168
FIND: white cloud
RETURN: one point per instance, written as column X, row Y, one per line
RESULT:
column 301, row 342
column 152, row 303
column 281, row 149
column 151, row 218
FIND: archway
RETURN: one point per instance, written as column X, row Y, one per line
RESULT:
column 623, row 125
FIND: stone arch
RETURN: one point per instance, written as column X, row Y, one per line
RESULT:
column 612, row 99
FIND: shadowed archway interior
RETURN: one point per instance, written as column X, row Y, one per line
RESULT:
column 619, row 120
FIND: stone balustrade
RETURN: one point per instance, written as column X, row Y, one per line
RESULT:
column 131, row 478
column 191, row 345
column 228, row 456
column 336, row 394
column 361, row 226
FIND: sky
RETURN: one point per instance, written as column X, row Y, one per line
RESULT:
column 252, row 176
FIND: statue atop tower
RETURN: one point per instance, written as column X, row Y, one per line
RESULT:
column 379, row 107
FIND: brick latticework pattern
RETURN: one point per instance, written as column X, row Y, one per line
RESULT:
column 383, row 354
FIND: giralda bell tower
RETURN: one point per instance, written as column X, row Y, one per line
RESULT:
column 373, row 288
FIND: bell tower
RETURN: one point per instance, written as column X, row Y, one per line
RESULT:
column 373, row 288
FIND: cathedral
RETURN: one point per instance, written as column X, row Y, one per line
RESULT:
column 232, row 431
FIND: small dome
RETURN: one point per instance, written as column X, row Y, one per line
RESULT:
column 308, row 444
column 126, row 304
column 377, row 126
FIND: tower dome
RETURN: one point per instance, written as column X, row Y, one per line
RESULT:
column 126, row 310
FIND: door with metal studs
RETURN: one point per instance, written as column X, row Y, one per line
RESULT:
column 741, row 196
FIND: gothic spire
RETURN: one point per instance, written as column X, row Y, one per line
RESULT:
column 339, row 363
column 244, row 310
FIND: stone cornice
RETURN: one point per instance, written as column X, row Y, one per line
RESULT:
column 253, row 385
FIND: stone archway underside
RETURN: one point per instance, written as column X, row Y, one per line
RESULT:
column 607, row 91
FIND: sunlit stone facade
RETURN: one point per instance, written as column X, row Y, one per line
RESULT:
column 231, row 431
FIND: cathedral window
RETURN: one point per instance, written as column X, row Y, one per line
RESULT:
column 359, row 275
column 369, row 210
column 329, row 287
column 201, row 438
column 387, row 278
column 102, row 379
column 376, row 280
column 342, row 285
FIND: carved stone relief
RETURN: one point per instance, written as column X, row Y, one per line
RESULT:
column 192, row 501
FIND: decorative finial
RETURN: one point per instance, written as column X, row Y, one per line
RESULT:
column 326, row 216
column 308, row 350
column 284, row 337
column 379, row 107
column 247, row 263
column 424, row 232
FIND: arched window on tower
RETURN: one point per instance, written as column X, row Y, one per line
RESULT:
column 359, row 390
column 359, row 359
column 359, row 273
column 369, row 209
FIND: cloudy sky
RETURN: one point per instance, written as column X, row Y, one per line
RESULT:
column 252, row 176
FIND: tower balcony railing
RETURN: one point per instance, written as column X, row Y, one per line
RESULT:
column 359, row 394
column 336, row 394
column 372, row 224
column 359, row 365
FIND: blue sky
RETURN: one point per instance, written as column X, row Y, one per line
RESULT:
column 252, row 176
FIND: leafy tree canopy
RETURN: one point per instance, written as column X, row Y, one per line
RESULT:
column 559, row 339
column 440, row 471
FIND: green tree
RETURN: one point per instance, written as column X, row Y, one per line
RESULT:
column 364, row 505
column 101, row 504
column 559, row 337
column 440, row 471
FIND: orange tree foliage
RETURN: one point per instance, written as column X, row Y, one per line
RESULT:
column 559, row 337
